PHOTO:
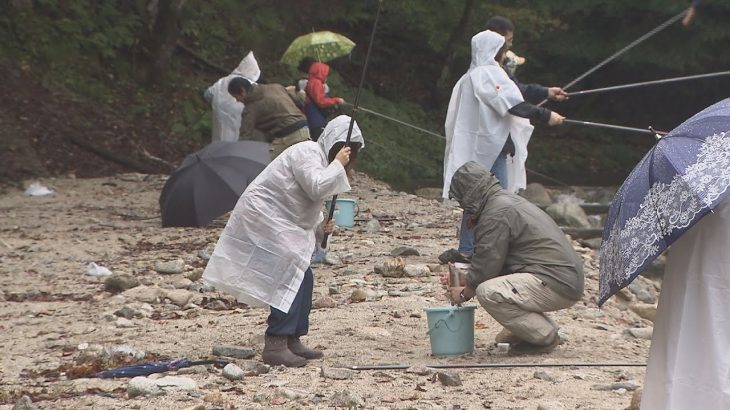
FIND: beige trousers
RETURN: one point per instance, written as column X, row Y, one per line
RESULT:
column 280, row 144
column 518, row 302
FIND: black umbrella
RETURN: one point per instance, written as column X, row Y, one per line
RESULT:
column 209, row 182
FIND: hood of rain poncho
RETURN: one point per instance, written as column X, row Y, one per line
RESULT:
column 248, row 68
column 226, row 124
column 267, row 244
column 478, row 119
column 472, row 186
column 336, row 131
column 484, row 48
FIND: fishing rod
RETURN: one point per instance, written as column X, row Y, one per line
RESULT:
column 492, row 365
column 644, row 83
column 649, row 131
column 625, row 49
column 354, row 109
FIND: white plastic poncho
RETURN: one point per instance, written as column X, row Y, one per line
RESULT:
column 268, row 241
column 226, row 109
column 477, row 120
column 689, row 359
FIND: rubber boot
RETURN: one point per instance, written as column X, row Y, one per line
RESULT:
column 296, row 347
column 277, row 353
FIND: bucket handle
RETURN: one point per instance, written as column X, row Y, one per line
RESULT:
column 438, row 322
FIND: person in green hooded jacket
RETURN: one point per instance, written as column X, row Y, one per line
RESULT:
column 523, row 265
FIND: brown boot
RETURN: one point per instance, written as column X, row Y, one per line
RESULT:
column 524, row 348
column 277, row 353
column 505, row 336
column 296, row 347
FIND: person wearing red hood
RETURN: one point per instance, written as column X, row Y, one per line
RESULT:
column 317, row 100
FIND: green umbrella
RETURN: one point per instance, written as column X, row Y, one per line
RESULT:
column 320, row 45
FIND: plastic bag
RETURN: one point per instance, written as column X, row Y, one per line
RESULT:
column 36, row 189
column 92, row 269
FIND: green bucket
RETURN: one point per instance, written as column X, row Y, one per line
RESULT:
column 451, row 330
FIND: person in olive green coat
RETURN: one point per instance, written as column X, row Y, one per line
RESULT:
column 523, row 265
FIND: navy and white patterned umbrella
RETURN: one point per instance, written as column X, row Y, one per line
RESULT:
column 682, row 178
column 144, row 369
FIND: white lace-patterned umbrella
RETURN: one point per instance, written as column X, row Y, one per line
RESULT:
column 682, row 178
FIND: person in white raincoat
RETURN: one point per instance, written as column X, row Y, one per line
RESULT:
column 689, row 360
column 485, row 108
column 226, row 110
column 263, row 255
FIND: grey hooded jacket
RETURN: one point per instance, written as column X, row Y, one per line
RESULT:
column 512, row 235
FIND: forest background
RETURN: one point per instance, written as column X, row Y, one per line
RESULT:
column 89, row 80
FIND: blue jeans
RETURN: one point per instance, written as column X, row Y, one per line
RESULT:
column 296, row 322
column 466, row 234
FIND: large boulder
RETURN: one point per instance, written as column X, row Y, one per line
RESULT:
column 568, row 214
column 536, row 193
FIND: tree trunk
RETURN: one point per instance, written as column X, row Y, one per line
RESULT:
column 443, row 86
column 162, row 37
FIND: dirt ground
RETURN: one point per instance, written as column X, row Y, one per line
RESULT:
column 51, row 309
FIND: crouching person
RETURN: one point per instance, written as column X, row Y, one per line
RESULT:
column 263, row 255
column 523, row 265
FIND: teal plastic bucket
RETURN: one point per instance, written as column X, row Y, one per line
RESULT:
column 451, row 330
column 345, row 211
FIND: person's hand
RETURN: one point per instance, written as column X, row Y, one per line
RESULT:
column 557, row 94
column 444, row 279
column 343, row 156
column 329, row 226
column 339, row 101
column 290, row 88
column 455, row 295
column 555, row 118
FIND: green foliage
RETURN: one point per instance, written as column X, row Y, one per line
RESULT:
column 89, row 46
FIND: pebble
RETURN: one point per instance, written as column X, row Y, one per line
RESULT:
column 332, row 259
column 128, row 312
column 551, row 405
column 124, row 323
column 420, row 370
column 179, row 297
column 644, row 310
column 176, row 383
column 324, row 302
column 119, row 282
column 288, row 394
column 146, row 294
column 414, row 271
column 449, row 379
column 170, row 267
column 347, row 399
column 359, row 295
column 373, row 226
column 233, row 372
column 542, row 375
column 25, row 403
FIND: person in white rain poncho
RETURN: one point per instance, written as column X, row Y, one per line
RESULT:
column 226, row 110
column 485, row 108
column 263, row 255
column 689, row 360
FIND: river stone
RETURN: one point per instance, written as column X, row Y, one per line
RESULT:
column 233, row 372
column 324, row 302
column 568, row 214
column 449, row 379
column 640, row 332
column 348, row 400
column 169, row 383
column 536, row 193
column 373, row 226
column 119, row 282
column 25, row 403
column 145, row 294
column 359, row 295
column 644, row 310
column 142, row 386
column 405, row 251
column 170, row 267
column 237, row 352
column 542, row 375
column 179, row 297
column 642, row 293
column 128, row 312
column 551, row 405
column 336, row 373
column 416, row 270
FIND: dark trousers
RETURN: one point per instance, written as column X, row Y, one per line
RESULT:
column 296, row 322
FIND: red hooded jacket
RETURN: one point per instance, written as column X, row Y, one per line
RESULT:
column 318, row 73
